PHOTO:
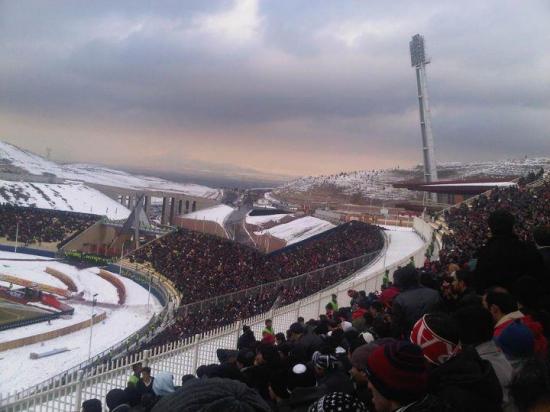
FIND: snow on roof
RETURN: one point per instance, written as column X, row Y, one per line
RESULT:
column 72, row 197
column 262, row 220
column 216, row 214
column 37, row 165
column 298, row 230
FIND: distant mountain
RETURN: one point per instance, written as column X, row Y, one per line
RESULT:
column 16, row 162
column 377, row 184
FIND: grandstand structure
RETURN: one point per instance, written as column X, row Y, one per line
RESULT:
column 67, row 390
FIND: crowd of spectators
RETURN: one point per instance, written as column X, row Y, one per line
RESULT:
column 196, row 265
column 204, row 266
column 417, row 345
column 41, row 225
column 469, row 224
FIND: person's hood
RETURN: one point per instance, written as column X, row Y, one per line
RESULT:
column 470, row 373
column 163, row 384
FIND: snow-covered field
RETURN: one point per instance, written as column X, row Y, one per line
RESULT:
column 18, row 371
column 73, row 197
column 298, row 230
column 37, row 165
column 262, row 220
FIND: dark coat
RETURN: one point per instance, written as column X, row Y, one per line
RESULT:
column 466, row 383
column 336, row 381
column 409, row 306
column 503, row 260
column 247, row 341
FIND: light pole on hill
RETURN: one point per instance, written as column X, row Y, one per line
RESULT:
column 91, row 327
column 16, row 236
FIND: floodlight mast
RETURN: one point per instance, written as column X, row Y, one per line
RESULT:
column 419, row 61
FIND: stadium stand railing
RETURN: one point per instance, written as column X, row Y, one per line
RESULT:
column 184, row 356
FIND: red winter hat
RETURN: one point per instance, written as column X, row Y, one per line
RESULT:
column 435, row 348
column 398, row 371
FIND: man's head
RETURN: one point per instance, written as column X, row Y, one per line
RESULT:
column 301, row 320
column 146, row 372
column 91, row 405
column 246, row 329
column 334, row 297
column 406, row 277
column 296, row 331
column 268, row 323
column 501, row 222
column 376, row 308
column 397, row 375
column 475, row 325
column 136, row 367
column 359, row 359
column 500, row 304
column 461, row 280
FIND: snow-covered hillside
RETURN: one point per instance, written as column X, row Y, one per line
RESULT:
column 298, row 230
column 378, row 183
column 12, row 156
column 73, row 197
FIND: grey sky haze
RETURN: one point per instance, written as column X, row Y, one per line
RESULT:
column 284, row 86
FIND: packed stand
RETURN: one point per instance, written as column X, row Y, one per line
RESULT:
column 41, row 225
column 354, row 240
column 204, row 266
column 425, row 342
column 469, row 225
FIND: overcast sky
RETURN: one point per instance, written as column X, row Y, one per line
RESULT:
column 285, row 86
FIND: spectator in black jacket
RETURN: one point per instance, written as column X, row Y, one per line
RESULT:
column 505, row 258
column 413, row 301
column 247, row 340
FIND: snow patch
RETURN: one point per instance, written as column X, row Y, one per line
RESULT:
column 298, row 230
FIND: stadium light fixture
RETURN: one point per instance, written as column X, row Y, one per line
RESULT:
column 94, row 300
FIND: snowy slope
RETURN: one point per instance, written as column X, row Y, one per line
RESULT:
column 298, row 230
column 216, row 214
column 37, row 165
column 73, row 197
column 378, row 183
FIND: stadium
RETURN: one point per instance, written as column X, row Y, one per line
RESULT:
column 237, row 216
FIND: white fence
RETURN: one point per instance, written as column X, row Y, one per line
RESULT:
column 183, row 357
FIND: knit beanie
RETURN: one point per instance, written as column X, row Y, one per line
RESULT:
column 338, row 402
column 360, row 356
column 213, row 395
column 115, row 397
column 437, row 336
column 516, row 341
column 323, row 361
column 398, row 371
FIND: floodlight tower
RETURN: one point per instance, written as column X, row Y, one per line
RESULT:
column 419, row 62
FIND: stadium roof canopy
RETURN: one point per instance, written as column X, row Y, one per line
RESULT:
column 464, row 187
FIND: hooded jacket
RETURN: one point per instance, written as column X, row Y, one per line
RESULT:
column 467, row 383
column 163, row 384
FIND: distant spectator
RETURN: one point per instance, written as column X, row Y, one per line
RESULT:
column 117, row 401
column 476, row 329
column 134, row 377
column 213, row 395
column 505, row 258
column 247, row 339
column 145, row 383
column 91, row 405
column 163, row 384
column 413, row 301
column 268, row 329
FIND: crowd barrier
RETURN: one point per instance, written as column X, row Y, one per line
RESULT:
column 183, row 357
